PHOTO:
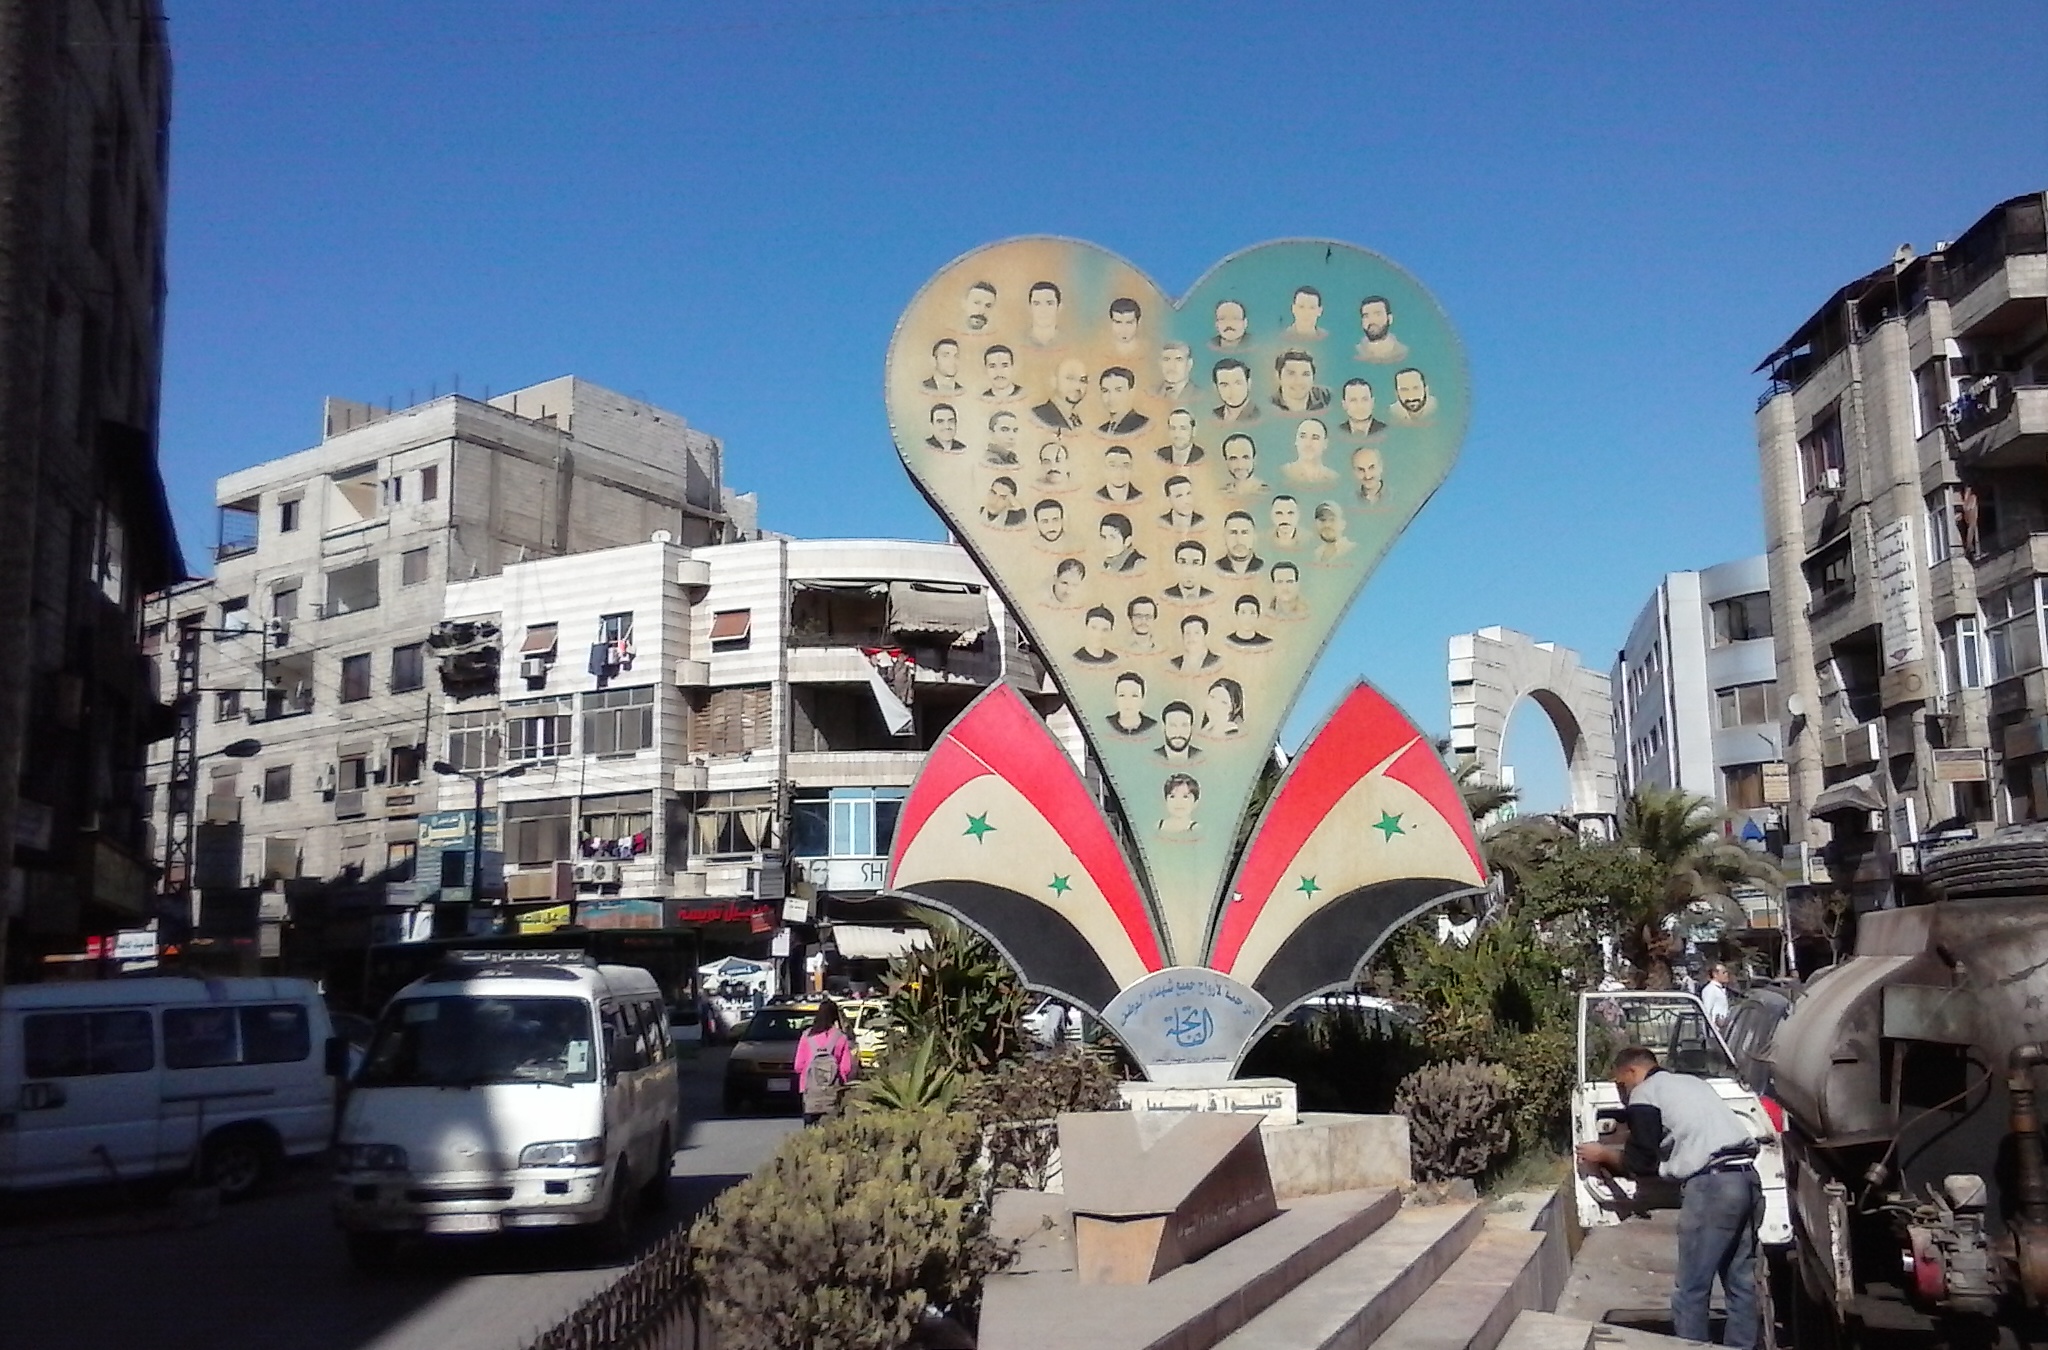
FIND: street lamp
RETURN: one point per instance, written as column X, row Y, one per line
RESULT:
column 477, row 778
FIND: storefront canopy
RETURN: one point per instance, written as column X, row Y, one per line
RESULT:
column 861, row 942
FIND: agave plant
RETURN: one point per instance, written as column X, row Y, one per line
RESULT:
column 961, row 996
column 915, row 1078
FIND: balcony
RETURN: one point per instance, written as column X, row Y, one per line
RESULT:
column 2002, row 422
column 2008, row 559
column 1830, row 599
column 1857, row 747
column 1998, row 270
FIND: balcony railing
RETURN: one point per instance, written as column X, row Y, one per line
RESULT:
column 1829, row 600
column 2014, row 230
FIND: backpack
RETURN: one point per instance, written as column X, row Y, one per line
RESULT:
column 821, row 1085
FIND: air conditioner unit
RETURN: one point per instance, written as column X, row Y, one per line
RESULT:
column 584, row 874
column 533, row 668
column 605, row 873
column 280, row 632
column 1831, row 480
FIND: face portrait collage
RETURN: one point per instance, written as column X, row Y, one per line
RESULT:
column 1180, row 502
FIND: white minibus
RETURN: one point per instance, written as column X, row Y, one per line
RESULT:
column 509, row 1090
column 115, row 1080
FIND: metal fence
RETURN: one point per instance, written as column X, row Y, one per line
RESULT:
column 650, row 1307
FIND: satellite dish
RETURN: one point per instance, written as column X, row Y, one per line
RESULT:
column 1795, row 705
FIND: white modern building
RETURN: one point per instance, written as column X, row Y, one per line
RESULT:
column 1695, row 695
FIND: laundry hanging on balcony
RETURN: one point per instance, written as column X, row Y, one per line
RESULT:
column 892, row 680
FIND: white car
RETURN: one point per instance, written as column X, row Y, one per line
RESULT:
column 1052, row 1023
column 1674, row 1025
column 509, row 1090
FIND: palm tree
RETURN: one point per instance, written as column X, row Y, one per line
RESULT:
column 1698, row 865
column 1483, row 797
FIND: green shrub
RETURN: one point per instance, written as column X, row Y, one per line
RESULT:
column 961, row 994
column 1338, row 1060
column 911, row 1077
column 854, row 1229
column 1460, row 1118
column 1014, row 1104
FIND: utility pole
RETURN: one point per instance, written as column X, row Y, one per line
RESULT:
column 179, row 789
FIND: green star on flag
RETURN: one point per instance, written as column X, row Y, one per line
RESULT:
column 1389, row 825
column 1060, row 885
column 978, row 826
column 1308, row 887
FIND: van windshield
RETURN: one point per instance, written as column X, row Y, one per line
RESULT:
column 469, row 1041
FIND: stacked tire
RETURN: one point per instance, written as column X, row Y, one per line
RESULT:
column 2015, row 862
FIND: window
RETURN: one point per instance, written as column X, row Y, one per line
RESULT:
column 615, row 628
column 430, row 482
column 732, row 823
column 288, row 515
column 412, row 567
column 76, row 1045
column 206, row 1038
column 277, row 783
column 2012, row 629
column 352, row 773
column 732, row 720
column 110, row 555
column 473, row 740
column 408, row 668
column 538, row 729
column 1742, row 786
column 234, row 618
column 1930, row 396
column 1748, row 705
column 1744, row 618
column 1941, row 524
column 350, row 590
column 355, row 678
column 1831, row 577
column 404, row 765
column 399, row 855
column 846, row 823
column 1962, row 654
column 284, row 603
column 1820, row 454
column 393, row 490
column 618, row 721
column 618, row 826
column 730, row 629
column 537, row 832
column 227, row 704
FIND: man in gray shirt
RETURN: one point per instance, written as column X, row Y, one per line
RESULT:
column 1680, row 1129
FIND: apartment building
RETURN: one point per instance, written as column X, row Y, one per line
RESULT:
column 1902, row 438
column 85, row 532
column 687, row 734
column 1695, row 693
column 324, row 670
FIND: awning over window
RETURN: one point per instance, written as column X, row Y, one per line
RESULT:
column 540, row 640
column 841, row 587
column 959, row 614
column 1851, row 796
column 731, row 625
column 861, row 942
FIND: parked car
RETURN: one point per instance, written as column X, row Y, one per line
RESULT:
column 1752, row 1023
column 506, row 1091
column 121, row 1079
column 761, row 1070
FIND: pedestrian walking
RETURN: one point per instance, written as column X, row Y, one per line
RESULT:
column 1714, row 996
column 824, row 1062
column 1680, row 1129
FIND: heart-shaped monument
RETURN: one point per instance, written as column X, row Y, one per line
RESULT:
column 1177, row 501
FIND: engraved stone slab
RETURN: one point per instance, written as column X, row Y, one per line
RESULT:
column 1274, row 1098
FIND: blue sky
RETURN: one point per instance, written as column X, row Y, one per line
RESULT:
column 722, row 208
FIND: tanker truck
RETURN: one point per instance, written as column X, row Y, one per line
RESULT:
column 1907, row 1076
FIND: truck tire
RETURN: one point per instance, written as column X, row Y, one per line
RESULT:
column 2013, row 862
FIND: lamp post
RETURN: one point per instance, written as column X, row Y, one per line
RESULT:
column 477, row 779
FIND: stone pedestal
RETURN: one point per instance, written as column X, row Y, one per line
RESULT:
column 1143, row 1206
column 1325, row 1152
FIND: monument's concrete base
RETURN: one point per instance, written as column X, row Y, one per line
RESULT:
column 1324, row 1152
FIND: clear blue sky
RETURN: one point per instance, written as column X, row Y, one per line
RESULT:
column 722, row 207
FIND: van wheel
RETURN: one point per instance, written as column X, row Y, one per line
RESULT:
column 613, row 1234
column 239, row 1162
column 372, row 1253
column 655, row 1194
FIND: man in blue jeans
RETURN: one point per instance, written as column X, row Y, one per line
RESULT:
column 1680, row 1129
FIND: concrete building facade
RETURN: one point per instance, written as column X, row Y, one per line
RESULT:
column 1696, row 697
column 1902, row 438
column 323, row 625
column 85, row 532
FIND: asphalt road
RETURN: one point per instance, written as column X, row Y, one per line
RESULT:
column 80, row 1274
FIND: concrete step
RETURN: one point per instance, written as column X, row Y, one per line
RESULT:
column 1547, row 1331
column 1037, row 1304
column 1474, row 1303
column 1347, row 1304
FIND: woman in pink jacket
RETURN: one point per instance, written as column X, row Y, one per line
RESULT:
column 824, row 1063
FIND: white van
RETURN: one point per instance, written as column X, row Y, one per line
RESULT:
column 509, row 1090
column 121, row 1079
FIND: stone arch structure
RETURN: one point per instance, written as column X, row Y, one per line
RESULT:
column 1494, row 669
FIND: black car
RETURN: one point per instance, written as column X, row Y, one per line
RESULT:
column 1752, row 1023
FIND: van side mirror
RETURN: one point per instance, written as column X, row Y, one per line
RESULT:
column 337, row 1057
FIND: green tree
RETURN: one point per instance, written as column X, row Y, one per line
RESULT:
column 1695, row 865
